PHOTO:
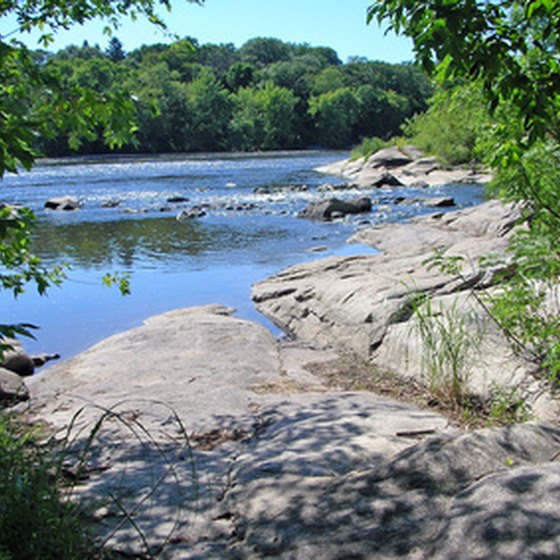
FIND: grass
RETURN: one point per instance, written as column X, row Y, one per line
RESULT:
column 36, row 520
column 43, row 514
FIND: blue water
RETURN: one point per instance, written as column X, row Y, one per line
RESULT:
column 244, row 237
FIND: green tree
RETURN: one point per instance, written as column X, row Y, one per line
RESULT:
column 211, row 109
column 335, row 115
column 512, row 49
column 239, row 75
column 265, row 51
column 115, row 50
column 265, row 119
column 36, row 100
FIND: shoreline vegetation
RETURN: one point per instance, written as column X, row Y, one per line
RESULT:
column 116, row 408
column 251, row 454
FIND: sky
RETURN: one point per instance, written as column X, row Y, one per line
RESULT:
column 338, row 24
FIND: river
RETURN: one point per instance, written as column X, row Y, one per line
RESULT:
column 127, row 225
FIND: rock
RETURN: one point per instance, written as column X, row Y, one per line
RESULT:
column 388, row 158
column 41, row 359
column 362, row 304
column 440, row 202
column 263, row 190
column 177, row 199
column 12, row 388
column 489, row 494
column 333, row 207
column 190, row 214
column 17, row 360
column 251, row 410
column 407, row 166
column 63, row 203
column 111, row 204
column 244, row 453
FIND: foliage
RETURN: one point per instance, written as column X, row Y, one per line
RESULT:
column 508, row 406
column 449, row 344
column 368, row 147
column 454, row 127
column 35, row 522
column 162, row 89
column 509, row 49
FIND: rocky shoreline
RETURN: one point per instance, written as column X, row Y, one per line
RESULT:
column 220, row 441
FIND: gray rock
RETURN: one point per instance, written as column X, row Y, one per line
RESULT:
column 111, row 204
column 440, row 202
column 362, row 304
column 12, row 388
column 333, row 207
column 388, row 158
column 63, row 203
column 190, row 214
column 407, row 166
column 224, row 445
column 177, row 199
column 17, row 359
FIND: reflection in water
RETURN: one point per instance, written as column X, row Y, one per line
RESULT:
column 162, row 243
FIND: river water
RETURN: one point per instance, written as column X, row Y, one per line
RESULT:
column 250, row 231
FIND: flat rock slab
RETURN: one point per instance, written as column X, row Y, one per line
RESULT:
column 193, row 404
column 364, row 304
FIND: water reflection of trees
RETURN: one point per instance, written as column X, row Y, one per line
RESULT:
column 149, row 242
column 122, row 242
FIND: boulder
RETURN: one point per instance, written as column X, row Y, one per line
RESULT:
column 407, row 166
column 17, row 359
column 439, row 202
column 333, row 207
column 388, row 158
column 111, row 204
column 63, row 203
column 12, row 388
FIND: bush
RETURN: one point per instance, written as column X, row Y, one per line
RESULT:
column 368, row 147
column 36, row 521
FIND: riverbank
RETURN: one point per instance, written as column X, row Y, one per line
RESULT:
column 213, row 439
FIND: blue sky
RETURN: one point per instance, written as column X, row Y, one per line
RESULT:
column 333, row 23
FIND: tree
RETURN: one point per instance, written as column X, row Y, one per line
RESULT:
column 512, row 48
column 115, row 50
column 264, row 119
column 36, row 100
column 335, row 114
column 265, row 51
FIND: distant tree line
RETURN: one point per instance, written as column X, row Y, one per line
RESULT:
column 266, row 95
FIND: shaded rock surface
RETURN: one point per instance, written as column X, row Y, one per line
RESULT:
column 12, row 388
column 221, row 443
column 363, row 304
column 401, row 166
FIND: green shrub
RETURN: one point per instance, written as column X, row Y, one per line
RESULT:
column 36, row 521
column 454, row 127
column 368, row 147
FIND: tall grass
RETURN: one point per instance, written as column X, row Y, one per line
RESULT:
column 36, row 521
column 449, row 344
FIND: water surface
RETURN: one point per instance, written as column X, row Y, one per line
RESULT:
column 249, row 232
